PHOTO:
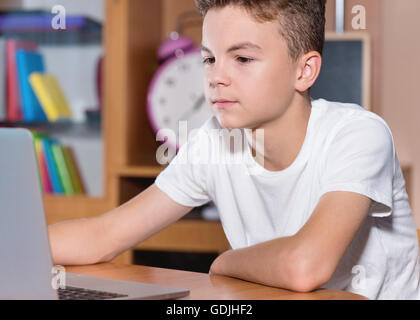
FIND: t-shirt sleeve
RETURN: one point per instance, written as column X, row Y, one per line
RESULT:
column 360, row 159
column 184, row 180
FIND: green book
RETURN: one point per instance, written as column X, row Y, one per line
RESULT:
column 37, row 138
column 63, row 171
column 73, row 170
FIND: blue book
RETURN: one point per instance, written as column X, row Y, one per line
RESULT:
column 52, row 167
column 28, row 62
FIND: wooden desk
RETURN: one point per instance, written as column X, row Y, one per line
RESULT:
column 203, row 286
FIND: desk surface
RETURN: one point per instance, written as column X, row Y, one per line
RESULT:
column 203, row 286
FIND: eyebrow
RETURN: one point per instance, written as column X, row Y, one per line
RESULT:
column 239, row 46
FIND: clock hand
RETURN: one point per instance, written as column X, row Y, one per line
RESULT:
column 198, row 104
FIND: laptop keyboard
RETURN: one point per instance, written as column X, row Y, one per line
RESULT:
column 73, row 293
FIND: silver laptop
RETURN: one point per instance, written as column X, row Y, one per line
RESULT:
column 26, row 267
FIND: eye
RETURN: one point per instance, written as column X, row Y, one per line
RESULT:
column 207, row 60
column 244, row 60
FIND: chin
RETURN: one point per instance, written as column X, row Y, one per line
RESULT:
column 231, row 123
column 228, row 123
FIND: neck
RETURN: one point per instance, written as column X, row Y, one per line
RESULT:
column 282, row 137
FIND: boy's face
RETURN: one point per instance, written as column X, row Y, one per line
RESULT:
column 260, row 80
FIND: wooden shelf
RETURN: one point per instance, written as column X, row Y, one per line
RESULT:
column 188, row 235
column 60, row 208
column 69, row 128
column 140, row 171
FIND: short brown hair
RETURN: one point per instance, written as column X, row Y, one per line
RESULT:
column 302, row 22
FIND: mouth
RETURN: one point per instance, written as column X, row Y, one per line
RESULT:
column 223, row 104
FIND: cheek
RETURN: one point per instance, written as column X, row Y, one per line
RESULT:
column 277, row 83
column 266, row 84
column 271, row 93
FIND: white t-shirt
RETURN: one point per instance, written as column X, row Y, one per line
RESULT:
column 346, row 148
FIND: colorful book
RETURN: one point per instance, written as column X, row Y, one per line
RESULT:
column 62, row 169
column 42, row 165
column 52, row 167
column 28, row 62
column 36, row 156
column 14, row 104
column 3, row 112
column 50, row 96
column 74, row 171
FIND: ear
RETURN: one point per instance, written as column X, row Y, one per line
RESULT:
column 308, row 68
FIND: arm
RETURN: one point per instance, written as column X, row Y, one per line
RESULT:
column 308, row 259
column 100, row 239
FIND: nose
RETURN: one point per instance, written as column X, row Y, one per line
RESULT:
column 218, row 76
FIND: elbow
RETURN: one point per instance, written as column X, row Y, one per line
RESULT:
column 110, row 251
column 106, row 258
column 303, row 282
column 305, row 274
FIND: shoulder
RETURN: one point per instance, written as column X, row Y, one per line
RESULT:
column 351, row 122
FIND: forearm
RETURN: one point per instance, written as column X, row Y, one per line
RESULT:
column 102, row 238
column 273, row 263
column 78, row 242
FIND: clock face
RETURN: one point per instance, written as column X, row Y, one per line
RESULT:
column 177, row 94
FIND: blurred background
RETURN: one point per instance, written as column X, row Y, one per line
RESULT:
column 96, row 80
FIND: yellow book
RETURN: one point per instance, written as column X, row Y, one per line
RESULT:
column 50, row 96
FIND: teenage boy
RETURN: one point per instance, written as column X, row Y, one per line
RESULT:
column 323, row 202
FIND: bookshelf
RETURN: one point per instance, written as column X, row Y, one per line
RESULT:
column 80, row 47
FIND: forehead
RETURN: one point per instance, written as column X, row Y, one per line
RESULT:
column 232, row 28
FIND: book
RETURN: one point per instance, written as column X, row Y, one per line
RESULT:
column 50, row 96
column 62, row 169
column 3, row 110
column 74, row 171
column 38, row 168
column 28, row 62
column 52, row 167
column 14, row 104
column 42, row 165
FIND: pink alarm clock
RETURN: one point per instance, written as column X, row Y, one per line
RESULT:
column 176, row 92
